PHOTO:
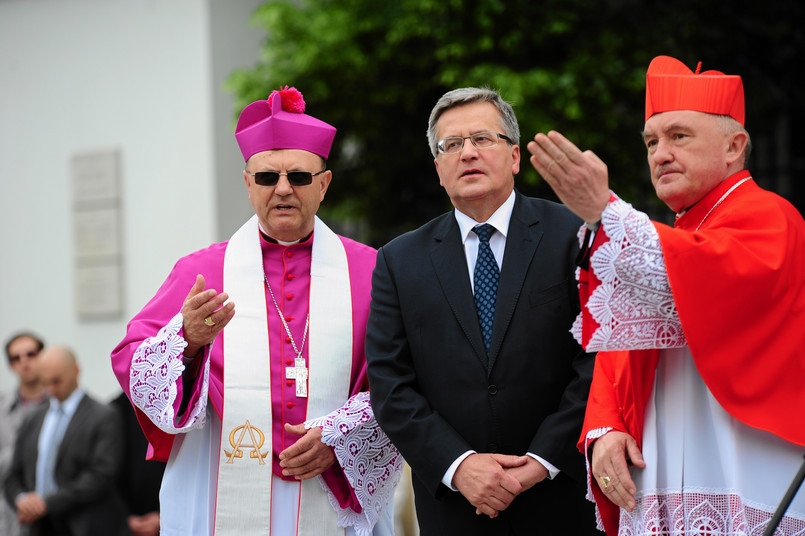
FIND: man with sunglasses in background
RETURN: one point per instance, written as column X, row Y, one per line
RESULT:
column 472, row 371
column 22, row 351
column 247, row 368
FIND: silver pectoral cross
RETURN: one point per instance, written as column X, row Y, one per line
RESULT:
column 298, row 372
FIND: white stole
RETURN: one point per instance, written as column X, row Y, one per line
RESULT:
column 243, row 502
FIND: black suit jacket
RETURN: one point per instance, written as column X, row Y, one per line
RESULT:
column 435, row 392
column 140, row 479
column 87, row 464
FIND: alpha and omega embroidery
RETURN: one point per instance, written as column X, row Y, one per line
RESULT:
column 257, row 439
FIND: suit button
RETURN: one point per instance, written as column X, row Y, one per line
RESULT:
column 492, row 447
column 492, row 390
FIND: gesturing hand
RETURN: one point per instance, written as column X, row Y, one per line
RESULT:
column 579, row 179
column 205, row 314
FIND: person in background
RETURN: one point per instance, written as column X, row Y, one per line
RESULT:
column 140, row 478
column 696, row 419
column 66, row 458
column 22, row 351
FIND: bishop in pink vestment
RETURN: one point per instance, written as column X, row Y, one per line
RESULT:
column 176, row 379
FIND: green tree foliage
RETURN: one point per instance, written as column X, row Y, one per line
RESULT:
column 375, row 69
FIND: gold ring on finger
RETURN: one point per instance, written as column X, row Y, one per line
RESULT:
column 605, row 480
column 209, row 321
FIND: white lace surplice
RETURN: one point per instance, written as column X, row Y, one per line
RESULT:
column 155, row 368
column 372, row 465
column 706, row 473
column 370, row 462
column 633, row 305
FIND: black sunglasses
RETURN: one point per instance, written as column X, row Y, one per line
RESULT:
column 30, row 355
column 295, row 178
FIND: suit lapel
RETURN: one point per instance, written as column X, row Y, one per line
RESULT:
column 33, row 438
column 450, row 265
column 522, row 240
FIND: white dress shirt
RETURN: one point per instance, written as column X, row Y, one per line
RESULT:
column 50, row 437
column 497, row 242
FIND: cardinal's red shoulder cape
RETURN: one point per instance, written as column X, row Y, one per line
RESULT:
column 737, row 274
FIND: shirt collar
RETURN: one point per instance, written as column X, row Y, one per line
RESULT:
column 70, row 403
column 271, row 240
column 20, row 401
column 499, row 220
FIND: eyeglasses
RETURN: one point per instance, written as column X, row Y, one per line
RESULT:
column 482, row 140
column 295, row 178
column 29, row 354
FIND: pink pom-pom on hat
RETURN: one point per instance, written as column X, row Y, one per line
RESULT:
column 671, row 85
column 279, row 122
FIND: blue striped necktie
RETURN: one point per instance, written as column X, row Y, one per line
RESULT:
column 485, row 278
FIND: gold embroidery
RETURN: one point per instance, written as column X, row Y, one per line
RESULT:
column 239, row 444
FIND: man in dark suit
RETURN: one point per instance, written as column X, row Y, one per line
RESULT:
column 483, row 394
column 140, row 478
column 72, row 492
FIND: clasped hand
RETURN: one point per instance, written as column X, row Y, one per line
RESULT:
column 490, row 482
column 30, row 507
column 308, row 457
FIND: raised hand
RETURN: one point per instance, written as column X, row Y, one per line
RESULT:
column 205, row 314
column 579, row 179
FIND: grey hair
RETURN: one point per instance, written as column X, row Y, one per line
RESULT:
column 727, row 125
column 469, row 95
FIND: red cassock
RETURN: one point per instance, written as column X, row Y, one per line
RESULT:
column 737, row 275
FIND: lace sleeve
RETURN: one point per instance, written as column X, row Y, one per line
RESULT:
column 371, row 464
column 155, row 370
column 633, row 305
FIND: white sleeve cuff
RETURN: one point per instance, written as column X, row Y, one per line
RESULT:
column 552, row 470
column 447, row 479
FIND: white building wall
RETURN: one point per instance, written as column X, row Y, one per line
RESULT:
column 137, row 76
